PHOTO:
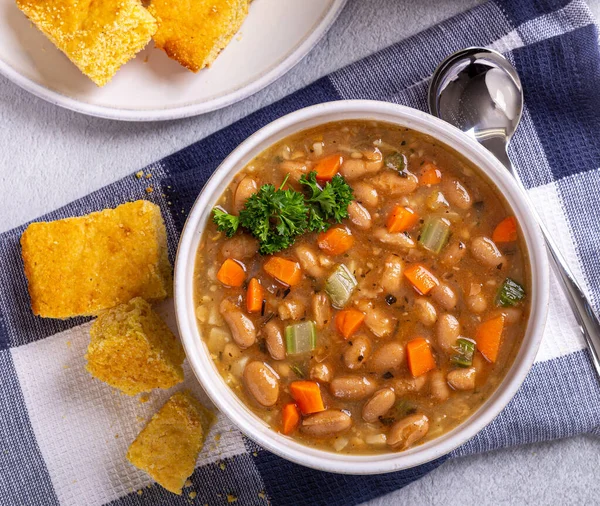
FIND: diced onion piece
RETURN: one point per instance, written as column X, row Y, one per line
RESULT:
column 340, row 285
column 300, row 337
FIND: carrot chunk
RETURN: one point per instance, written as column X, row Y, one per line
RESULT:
column 401, row 219
column 307, row 395
column 254, row 296
column 335, row 241
column 430, row 175
column 488, row 337
column 231, row 273
column 421, row 278
column 419, row 356
column 328, row 167
column 286, row 271
column 506, row 230
column 290, row 418
column 348, row 321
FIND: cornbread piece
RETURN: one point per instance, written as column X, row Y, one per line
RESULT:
column 98, row 37
column 81, row 266
column 193, row 32
column 133, row 350
column 167, row 448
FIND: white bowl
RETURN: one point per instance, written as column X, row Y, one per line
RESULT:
column 233, row 407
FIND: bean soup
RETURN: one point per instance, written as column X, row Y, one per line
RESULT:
column 362, row 287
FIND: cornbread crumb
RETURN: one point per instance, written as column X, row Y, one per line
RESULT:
column 144, row 398
column 192, row 494
column 133, row 350
column 194, row 33
column 231, row 498
column 139, row 174
column 98, row 37
column 167, row 448
column 188, row 483
column 149, row 189
column 84, row 265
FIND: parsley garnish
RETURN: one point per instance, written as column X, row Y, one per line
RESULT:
column 276, row 216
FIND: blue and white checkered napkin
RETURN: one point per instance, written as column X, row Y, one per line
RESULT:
column 64, row 436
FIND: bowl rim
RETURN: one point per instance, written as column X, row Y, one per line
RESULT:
column 202, row 364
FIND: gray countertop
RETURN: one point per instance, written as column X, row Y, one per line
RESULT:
column 51, row 156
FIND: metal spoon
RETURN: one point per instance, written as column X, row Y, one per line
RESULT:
column 479, row 91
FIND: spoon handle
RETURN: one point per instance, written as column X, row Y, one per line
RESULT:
column 589, row 325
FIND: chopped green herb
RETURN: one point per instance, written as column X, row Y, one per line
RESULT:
column 297, row 371
column 466, row 349
column 276, row 217
column 225, row 222
column 396, row 161
column 510, row 293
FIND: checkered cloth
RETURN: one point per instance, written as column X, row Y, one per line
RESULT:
column 64, row 435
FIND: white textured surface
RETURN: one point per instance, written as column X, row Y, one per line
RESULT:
column 50, row 156
column 83, row 427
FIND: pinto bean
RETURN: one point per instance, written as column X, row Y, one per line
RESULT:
column 353, row 168
column 274, row 340
column 326, row 423
column 358, row 352
column 321, row 308
column 241, row 327
column 359, row 216
column 294, row 168
column 454, row 253
column 392, row 183
column 291, row 309
column 378, row 405
column 321, row 372
column 438, row 386
column 462, row 379
column 388, row 357
column 352, row 388
column 486, row 252
column 457, row 194
column 262, row 382
column 476, row 303
column 240, row 247
column 391, row 278
column 366, row 194
column 426, row 311
column 406, row 432
column 309, row 262
column 403, row 386
column 399, row 240
column 377, row 320
column 447, row 332
column 245, row 189
column 512, row 315
column 445, row 296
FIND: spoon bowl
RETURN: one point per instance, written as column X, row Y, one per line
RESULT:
column 479, row 91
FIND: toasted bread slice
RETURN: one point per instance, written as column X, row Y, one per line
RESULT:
column 167, row 448
column 193, row 32
column 82, row 266
column 98, row 37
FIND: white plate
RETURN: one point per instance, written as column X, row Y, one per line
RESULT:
column 274, row 37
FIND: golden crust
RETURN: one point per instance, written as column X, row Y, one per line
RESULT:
column 133, row 350
column 98, row 37
column 82, row 266
column 193, row 32
column 167, row 448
